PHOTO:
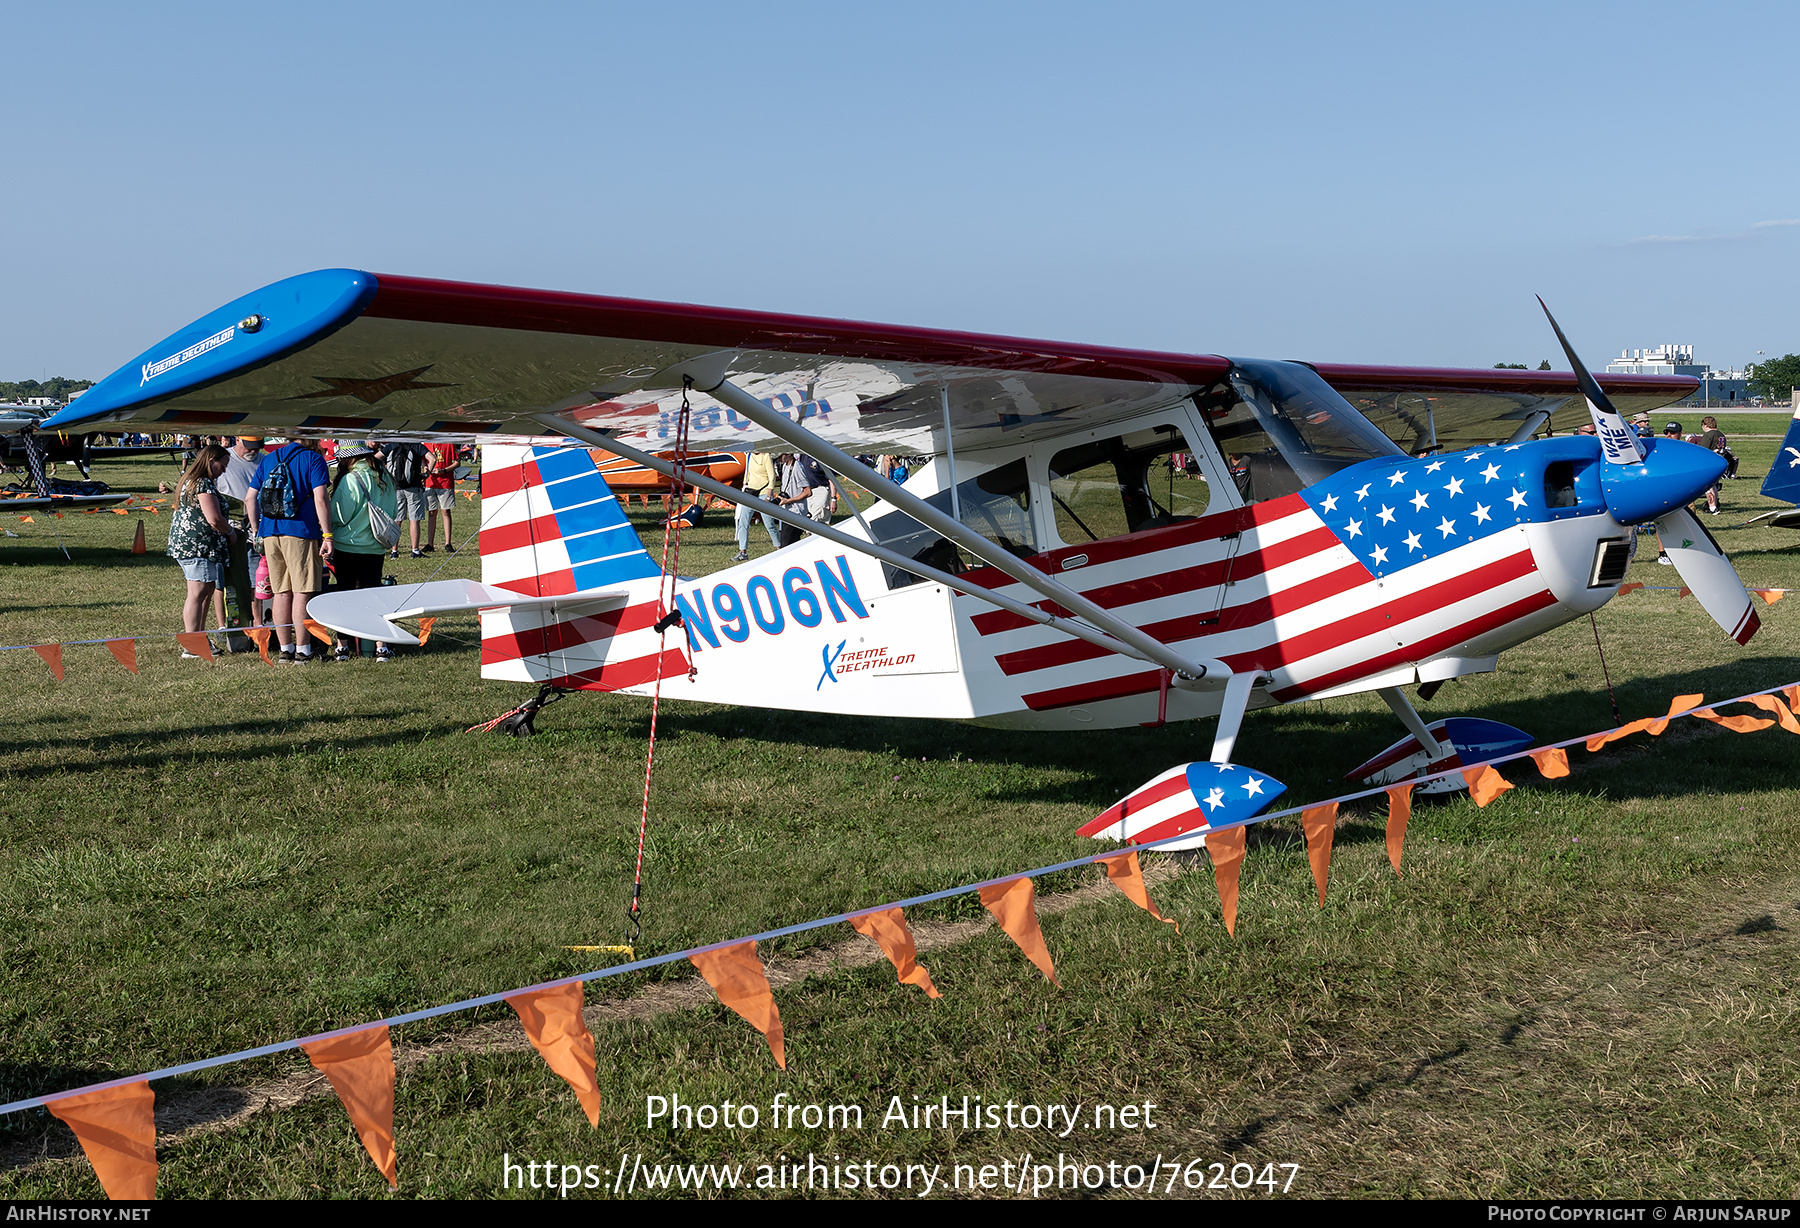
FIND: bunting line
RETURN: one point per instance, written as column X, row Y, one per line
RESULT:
column 1230, row 835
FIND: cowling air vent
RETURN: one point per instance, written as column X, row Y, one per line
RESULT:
column 1611, row 557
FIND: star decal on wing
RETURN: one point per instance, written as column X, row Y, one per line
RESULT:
column 1330, row 503
column 370, row 391
column 1447, row 527
column 1517, row 498
column 1385, row 515
column 1412, row 542
column 1396, row 477
column 1434, row 466
column 1491, row 472
column 1254, row 788
column 1481, row 513
column 1419, row 502
column 1362, row 492
column 1455, row 487
column 1216, row 798
column 1353, row 529
column 1380, row 555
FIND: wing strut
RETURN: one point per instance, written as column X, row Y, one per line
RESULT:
column 800, row 520
column 1187, row 671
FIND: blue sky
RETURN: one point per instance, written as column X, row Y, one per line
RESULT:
column 1368, row 183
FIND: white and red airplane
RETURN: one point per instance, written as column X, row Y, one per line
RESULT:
column 1103, row 537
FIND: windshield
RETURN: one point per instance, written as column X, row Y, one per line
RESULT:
column 1283, row 428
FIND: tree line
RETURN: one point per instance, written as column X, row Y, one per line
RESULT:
column 58, row 386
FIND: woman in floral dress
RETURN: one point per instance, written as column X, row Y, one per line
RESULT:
column 199, row 535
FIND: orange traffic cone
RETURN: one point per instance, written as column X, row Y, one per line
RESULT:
column 137, row 543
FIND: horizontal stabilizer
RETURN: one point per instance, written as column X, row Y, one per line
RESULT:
column 368, row 613
column 1196, row 797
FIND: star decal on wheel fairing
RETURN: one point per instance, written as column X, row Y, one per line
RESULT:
column 370, row 391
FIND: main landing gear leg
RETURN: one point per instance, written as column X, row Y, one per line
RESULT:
column 1409, row 717
column 1231, row 714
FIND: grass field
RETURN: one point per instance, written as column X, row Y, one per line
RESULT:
column 1587, row 988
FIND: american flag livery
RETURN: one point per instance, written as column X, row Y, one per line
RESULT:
column 549, row 527
column 1194, row 797
column 1348, row 584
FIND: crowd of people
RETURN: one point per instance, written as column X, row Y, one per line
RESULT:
column 269, row 524
column 258, row 531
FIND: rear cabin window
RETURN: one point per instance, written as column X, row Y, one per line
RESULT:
column 1111, row 487
column 996, row 504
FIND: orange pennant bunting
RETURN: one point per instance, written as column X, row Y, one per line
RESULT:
column 197, row 643
column 1737, row 724
column 1681, row 703
column 1126, row 874
column 126, row 652
column 552, row 1019
column 117, row 1129
column 58, row 515
column 261, row 636
column 1626, row 588
column 1320, row 825
column 1226, row 848
column 360, row 1066
column 121, row 511
column 92, row 510
column 1399, row 812
column 1552, row 762
column 890, row 932
column 1685, row 592
column 26, row 520
column 1485, row 784
column 319, row 630
column 425, row 626
column 52, row 654
column 1013, row 904
column 1623, row 731
column 1770, row 595
column 737, row 977
column 1793, row 698
column 1767, row 703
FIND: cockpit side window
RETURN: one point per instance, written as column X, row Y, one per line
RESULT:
column 1125, row 483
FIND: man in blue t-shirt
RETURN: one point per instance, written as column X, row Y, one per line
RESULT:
column 295, row 546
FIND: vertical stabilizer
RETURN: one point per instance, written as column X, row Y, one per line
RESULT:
column 550, row 527
column 1783, row 481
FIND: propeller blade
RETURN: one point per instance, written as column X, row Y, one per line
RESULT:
column 1708, row 574
column 1618, row 440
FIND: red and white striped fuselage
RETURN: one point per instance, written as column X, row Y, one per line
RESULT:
column 1270, row 587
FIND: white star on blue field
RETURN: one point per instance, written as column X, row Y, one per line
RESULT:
column 1392, row 514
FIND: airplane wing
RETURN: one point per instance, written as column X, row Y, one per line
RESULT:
column 340, row 352
column 1419, row 407
column 343, row 352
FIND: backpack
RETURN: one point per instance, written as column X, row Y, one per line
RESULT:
column 276, row 501
column 406, row 465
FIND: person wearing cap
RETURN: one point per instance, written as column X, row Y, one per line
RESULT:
column 297, row 546
column 359, row 483
column 240, row 565
column 1640, row 423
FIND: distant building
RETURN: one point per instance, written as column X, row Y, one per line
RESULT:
column 1717, row 387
